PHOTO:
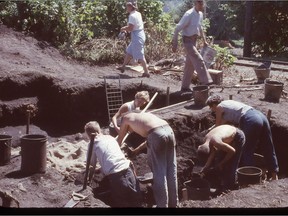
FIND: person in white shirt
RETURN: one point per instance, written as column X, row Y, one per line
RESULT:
column 191, row 27
column 124, row 186
column 135, row 49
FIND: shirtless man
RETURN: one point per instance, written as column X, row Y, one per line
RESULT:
column 227, row 141
column 161, row 153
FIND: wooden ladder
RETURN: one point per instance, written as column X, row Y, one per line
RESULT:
column 113, row 94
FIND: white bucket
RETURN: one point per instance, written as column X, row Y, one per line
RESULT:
column 208, row 54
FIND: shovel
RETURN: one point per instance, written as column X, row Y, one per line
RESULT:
column 76, row 198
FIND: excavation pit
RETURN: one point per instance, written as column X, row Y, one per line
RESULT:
column 188, row 121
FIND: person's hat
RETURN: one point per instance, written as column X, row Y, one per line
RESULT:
column 133, row 3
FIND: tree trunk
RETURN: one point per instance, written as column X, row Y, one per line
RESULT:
column 248, row 29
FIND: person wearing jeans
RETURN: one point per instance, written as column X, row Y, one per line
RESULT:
column 224, row 146
column 255, row 126
column 161, row 153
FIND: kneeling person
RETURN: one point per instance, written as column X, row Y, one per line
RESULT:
column 226, row 141
column 124, row 185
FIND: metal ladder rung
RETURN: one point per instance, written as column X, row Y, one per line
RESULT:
column 114, row 108
column 113, row 90
column 115, row 101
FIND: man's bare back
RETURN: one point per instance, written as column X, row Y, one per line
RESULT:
column 225, row 133
column 142, row 123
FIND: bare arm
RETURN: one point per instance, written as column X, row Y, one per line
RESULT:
column 117, row 115
column 230, row 151
column 210, row 158
column 123, row 131
column 127, row 28
column 140, row 148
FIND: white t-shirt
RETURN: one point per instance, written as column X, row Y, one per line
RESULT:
column 135, row 18
column 107, row 151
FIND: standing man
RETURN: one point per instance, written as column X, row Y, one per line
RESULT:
column 225, row 141
column 135, row 49
column 161, row 154
column 125, row 189
column 255, row 126
column 191, row 27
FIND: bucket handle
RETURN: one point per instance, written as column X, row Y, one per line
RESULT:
column 9, row 146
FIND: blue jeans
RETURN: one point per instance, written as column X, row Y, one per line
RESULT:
column 125, row 189
column 256, row 128
column 162, row 160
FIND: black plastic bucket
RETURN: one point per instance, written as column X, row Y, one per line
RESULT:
column 33, row 153
column 5, row 149
column 249, row 175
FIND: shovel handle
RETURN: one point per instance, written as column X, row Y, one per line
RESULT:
column 88, row 160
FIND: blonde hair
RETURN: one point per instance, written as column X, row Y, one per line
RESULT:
column 92, row 127
column 143, row 95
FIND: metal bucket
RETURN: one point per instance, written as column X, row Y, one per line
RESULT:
column 273, row 90
column 200, row 94
column 5, row 149
column 198, row 189
column 33, row 153
column 249, row 175
column 208, row 54
column 262, row 74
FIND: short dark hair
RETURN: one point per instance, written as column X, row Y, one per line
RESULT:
column 214, row 99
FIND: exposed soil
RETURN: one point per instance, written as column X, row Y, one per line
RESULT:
column 68, row 94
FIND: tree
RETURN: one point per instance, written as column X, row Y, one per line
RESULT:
column 270, row 29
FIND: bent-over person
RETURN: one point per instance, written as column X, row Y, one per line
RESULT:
column 161, row 153
column 255, row 126
column 124, row 186
column 225, row 142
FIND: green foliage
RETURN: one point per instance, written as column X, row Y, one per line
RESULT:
column 71, row 24
column 224, row 59
column 270, row 30
column 226, row 19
